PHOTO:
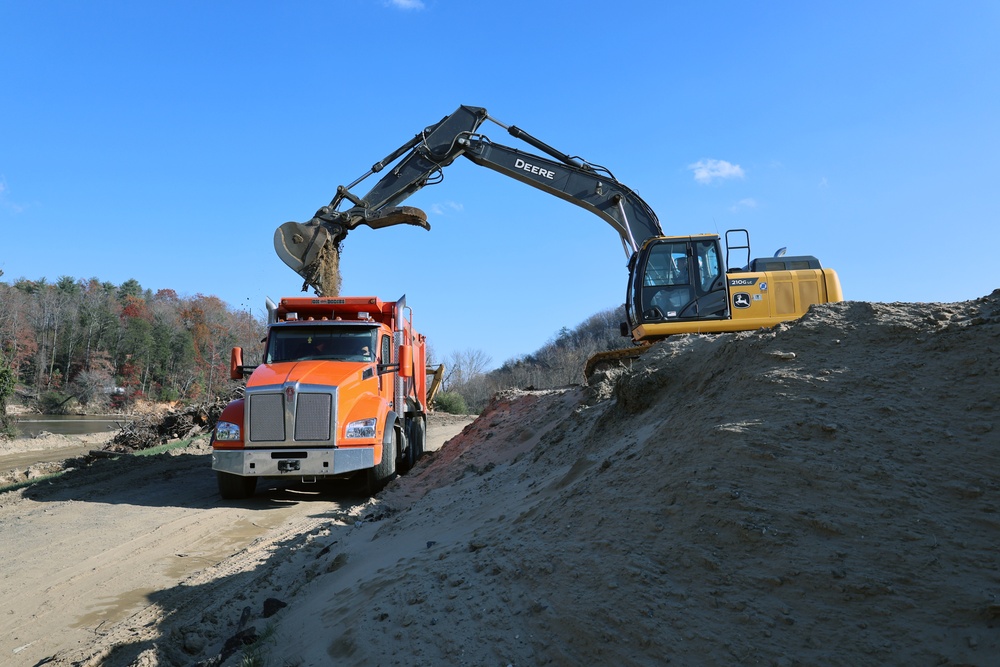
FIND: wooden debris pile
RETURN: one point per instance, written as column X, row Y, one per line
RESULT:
column 182, row 423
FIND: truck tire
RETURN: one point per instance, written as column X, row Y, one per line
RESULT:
column 418, row 438
column 383, row 473
column 235, row 487
column 410, row 456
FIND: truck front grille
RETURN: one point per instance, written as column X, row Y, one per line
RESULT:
column 312, row 417
column 309, row 418
column 267, row 417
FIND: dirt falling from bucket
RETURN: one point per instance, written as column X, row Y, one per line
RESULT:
column 329, row 270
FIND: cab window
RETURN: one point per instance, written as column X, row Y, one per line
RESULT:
column 709, row 266
column 666, row 265
column 319, row 342
column 386, row 351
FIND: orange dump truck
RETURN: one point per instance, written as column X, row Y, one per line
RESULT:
column 341, row 390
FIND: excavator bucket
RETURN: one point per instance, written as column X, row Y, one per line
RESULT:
column 299, row 244
column 312, row 249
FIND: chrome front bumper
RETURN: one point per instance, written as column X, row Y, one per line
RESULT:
column 288, row 462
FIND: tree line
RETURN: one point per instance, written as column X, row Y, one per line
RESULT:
column 103, row 346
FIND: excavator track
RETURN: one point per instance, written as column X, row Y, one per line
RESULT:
column 605, row 361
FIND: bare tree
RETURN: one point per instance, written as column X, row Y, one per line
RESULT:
column 464, row 365
column 94, row 385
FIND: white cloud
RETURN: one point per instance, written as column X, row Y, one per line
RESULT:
column 706, row 171
column 4, row 202
column 446, row 207
column 823, row 183
column 406, row 4
column 749, row 202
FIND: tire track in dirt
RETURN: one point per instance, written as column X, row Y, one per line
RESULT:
column 100, row 556
column 136, row 560
column 222, row 590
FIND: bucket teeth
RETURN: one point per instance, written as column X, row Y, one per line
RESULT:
column 400, row 215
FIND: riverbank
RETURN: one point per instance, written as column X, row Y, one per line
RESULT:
column 30, row 423
column 136, row 408
column 46, row 440
column 27, row 458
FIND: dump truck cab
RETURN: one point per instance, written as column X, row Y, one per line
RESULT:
column 340, row 390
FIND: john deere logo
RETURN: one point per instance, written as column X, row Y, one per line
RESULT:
column 741, row 300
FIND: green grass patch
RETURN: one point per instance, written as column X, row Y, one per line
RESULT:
column 257, row 653
column 159, row 449
column 31, row 482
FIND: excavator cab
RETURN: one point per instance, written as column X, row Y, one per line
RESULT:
column 677, row 278
column 680, row 284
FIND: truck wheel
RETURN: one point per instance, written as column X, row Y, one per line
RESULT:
column 418, row 438
column 410, row 456
column 383, row 473
column 235, row 487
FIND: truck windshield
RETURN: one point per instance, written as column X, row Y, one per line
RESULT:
column 320, row 342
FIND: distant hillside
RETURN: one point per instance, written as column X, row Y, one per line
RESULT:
column 558, row 363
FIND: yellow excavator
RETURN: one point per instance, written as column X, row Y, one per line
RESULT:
column 676, row 284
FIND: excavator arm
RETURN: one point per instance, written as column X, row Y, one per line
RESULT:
column 311, row 249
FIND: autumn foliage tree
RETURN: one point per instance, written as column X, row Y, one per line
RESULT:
column 93, row 340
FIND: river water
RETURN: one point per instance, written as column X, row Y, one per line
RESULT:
column 28, row 425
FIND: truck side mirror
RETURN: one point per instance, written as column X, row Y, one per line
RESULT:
column 405, row 361
column 236, row 363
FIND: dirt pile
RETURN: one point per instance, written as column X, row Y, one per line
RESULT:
column 826, row 492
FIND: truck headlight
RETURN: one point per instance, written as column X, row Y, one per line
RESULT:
column 363, row 428
column 227, row 431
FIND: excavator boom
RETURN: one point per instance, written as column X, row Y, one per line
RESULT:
column 603, row 196
column 312, row 248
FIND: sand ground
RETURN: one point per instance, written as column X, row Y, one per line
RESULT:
column 822, row 493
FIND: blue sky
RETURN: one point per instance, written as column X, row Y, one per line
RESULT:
column 166, row 141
